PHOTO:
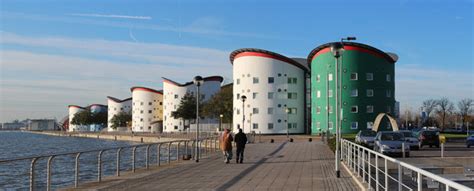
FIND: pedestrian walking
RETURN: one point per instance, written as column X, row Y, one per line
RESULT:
column 240, row 141
column 226, row 145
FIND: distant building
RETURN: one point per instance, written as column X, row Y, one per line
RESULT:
column 13, row 126
column 116, row 106
column 42, row 125
column 147, row 109
column 73, row 109
column 174, row 92
column 95, row 109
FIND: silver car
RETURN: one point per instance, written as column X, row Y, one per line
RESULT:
column 410, row 139
column 366, row 138
column 390, row 143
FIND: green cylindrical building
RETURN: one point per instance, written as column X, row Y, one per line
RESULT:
column 368, row 87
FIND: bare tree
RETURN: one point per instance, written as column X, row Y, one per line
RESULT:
column 444, row 107
column 465, row 108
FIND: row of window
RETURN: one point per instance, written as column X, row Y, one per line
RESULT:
column 270, row 80
column 270, row 126
column 354, row 76
column 270, row 95
column 354, row 125
column 355, row 109
column 290, row 110
column 149, row 103
column 355, row 93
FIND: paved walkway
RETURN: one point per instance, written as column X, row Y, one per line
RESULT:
column 299, row 165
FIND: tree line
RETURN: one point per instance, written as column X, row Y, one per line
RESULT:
column 442, row 113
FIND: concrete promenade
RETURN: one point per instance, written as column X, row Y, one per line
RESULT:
column 299, row 165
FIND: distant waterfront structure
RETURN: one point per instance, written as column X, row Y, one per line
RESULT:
column 367, row 81
column 274, row 86
column 13, row 126
column 116, row 106
column 73, row 109
column 174, row 92
column 147, row 109
column 42, row 125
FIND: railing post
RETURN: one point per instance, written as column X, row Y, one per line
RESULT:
column 386, row 175
column 133, row 158
column 403, row 149
column 186, row 148
column 147, row 160
column 177, row 151
column 99, row 166
column 419, row 180
column 358, row 160
column 376, row 172
column 158, row 155
column 400, row 178
column 169, row 152
column 369, row 169
column 32, row 174
column 118, row 161
column 76, row 173
column 363, row 165
column 48, row 178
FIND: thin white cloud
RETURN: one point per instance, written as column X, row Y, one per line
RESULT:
column 132, row 36
column 112, row 16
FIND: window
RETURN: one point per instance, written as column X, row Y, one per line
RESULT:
column 318, row 78
column 330, row 125
column 291, row 95
column 255, row 126
column 141, row 119
column 141, row 111
column 141, row 103
column 175, row 127
column 291, row 110
column 318, row 125
column 292, row 80
column 279, row 74
column 330, row 77
column 238, row 96
column 254, row 96
column 369, row 76
column 270, row 126
column 255, row 110
column 318, row 110
column 354, row 125
column 318, row 94
column 271, row 80
column 161, row 103
column 370, row 125
column 370, row 109
column 330, row 93
column 330, row 109
column 270, row 95
column 270, row 110
column 149, row 111
column 292, row 125
column 255, row 80
column 353, row 76
column 354, row 109
column 149, row 103
column 175, row 96
column 388, row 93
column 279, row 90
column 238, row 111
column 238, row 81
column 354, row 93
column 388, row 78
column 370, row 93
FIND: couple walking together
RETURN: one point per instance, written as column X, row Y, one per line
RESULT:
column 226, row 145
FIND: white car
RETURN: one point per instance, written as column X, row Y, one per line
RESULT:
column 411, row 140
column 366, row 138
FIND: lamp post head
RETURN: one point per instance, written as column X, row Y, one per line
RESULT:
column 337, row 49
column 287, row 110
column 349, row 38
column 221, row 116
column 198, row 80
column 243, row 97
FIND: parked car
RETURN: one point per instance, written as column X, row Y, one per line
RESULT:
column 390, row 143
column 411, row 140
column 366, row 138
column 429, row 137
column 470, row 140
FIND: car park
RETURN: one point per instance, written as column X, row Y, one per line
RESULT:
column 428, row 137
column 390, row 143
column 411, row 140
column 366, row 138
column 470, row 141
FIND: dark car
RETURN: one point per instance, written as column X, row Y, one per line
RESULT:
column 428, row 137
column 470, row 141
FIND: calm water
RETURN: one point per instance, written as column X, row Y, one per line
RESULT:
column 15, row 175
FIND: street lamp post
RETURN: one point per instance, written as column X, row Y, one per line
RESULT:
column 243, row 98
column 198, row 81
column 287, row 111
column 220, row 122
column 337, row 49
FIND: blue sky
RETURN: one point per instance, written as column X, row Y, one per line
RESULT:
column 55, row 53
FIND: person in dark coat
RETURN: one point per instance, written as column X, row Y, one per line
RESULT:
column 240, row 141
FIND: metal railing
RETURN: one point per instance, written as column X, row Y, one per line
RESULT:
column 210, row 145
column 382, row 172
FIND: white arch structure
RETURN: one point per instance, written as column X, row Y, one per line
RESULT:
column 379, row 118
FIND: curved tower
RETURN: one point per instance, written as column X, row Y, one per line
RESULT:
column 367, row 81
column 273, row 85
column 115, row 107
column 73, row 109
column 147, row 109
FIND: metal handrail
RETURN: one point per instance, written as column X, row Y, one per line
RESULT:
column 352, row 156
column 118, row 150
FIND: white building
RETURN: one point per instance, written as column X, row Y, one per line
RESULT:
column 147, row 109
column 73, row 109
column 174, row 92
column 115, row 107
column 42, row 124
column 272, row 83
